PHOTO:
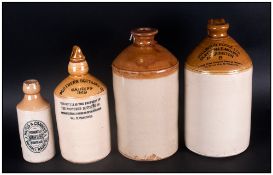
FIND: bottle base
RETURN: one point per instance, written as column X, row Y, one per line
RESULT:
column 223, row 155
column 150, row 158
column 86, row 162
column 40, row 161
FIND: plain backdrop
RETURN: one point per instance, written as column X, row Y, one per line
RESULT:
column 37, row 42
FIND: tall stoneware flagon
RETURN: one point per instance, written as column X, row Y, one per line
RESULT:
column 82, row 115
column 145, row 81
column 35, row 124
column 218, row 91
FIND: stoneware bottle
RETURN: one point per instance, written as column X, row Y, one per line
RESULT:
column 35, row 124
column 218, row 88
column 145, row 80
column 81, row 107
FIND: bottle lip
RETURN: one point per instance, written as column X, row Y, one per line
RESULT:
column 144, row 31
column 217, row 24
column 31, row 86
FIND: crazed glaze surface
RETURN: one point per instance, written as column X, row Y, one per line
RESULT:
column 82, row 115
column 218, row 92
column 145, row 81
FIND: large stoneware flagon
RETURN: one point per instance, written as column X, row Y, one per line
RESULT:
column 218, row 91
column 145, row 80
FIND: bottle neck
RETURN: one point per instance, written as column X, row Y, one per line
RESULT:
column 144, row 36
column 32, row 97
column 217, row 28
column 217, row 34
column 78, row 68
column 144, row 40
column 77, row 65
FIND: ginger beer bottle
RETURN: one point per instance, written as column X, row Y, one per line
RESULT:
column 218, row 88
column 35, row 124
column 81, row 108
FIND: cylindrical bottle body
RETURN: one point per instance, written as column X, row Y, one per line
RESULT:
column 83, row 127
column 218, row 112
column 147, row 116
column 36, row 135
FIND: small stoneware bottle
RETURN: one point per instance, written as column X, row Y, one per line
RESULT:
column 145, row 80
column 218, row 88
column 35, row 124
column 81, row 107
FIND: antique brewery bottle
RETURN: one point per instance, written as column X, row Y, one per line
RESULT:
column 81, row 107
column 35, row 124
column 218, row 87
column 145, row 80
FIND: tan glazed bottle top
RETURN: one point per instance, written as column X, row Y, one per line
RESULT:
column 77, row 64
column 145, row 58
column 79, row 84
column 32, row 100
column 218, row 53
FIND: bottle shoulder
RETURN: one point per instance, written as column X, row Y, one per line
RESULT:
column 79, row 87
column 223, row 55
column 135, row 58
column 33, row 105
column 144, row 61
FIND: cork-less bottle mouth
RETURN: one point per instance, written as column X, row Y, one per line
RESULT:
column 144, row 31
column 31, row 86
column 217, row 24
column 219, row 21
column 30, row 81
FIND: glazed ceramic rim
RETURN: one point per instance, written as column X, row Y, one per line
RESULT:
column 144, row 31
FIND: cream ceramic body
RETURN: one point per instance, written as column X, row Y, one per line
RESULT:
column 36, row 135
column 218, row 112
column 147, row 116
column 84, row 137
column 82, row 115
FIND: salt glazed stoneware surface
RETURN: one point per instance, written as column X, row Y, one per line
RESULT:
column 145, row 81
column 218, row 92
column 35, row 124
column 82, row 115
